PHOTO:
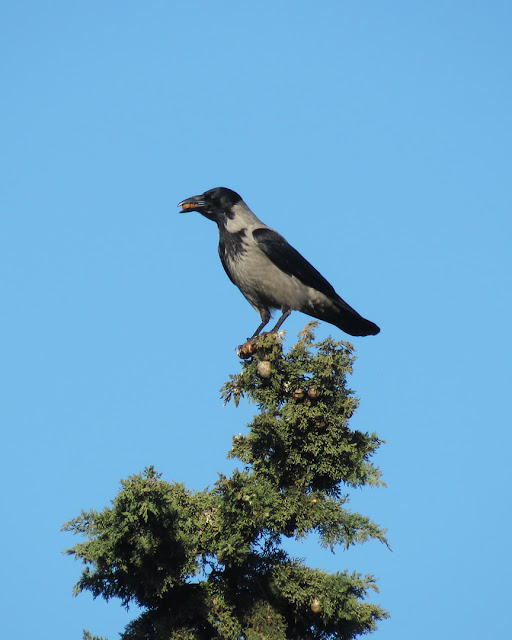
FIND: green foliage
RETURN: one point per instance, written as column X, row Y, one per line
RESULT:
column 88, row 636
column 301, row 437
column 210, row 564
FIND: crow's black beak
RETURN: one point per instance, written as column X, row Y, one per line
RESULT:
column 195, row 203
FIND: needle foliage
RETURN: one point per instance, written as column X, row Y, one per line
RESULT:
column 210, row 565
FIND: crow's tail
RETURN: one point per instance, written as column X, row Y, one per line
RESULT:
column 349, row 321
column 341, row 315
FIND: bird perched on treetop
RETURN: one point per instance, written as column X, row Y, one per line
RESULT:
column 269, row 272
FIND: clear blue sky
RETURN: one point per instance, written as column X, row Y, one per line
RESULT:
column 376, row 136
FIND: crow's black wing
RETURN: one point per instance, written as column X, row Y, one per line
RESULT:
column 289, row 260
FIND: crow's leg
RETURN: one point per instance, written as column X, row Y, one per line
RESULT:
column 265, row 317
column 286, row 313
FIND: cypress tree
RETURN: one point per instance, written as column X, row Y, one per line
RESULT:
column 211, row 564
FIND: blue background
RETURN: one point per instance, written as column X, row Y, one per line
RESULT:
column 377, row 138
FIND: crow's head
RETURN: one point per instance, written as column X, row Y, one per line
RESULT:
column 215, row 204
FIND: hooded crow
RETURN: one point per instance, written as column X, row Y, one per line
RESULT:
column 269, row 272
